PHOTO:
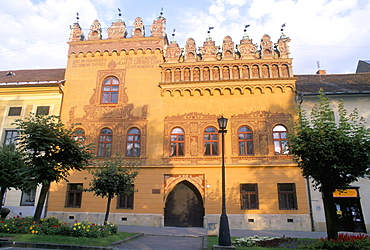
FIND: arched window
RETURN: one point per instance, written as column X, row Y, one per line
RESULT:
column 79, row 136
column 280, row 140
column 177, row 142
column 210, row 141
column 109, row 92
column 105, row 143
column 245, row 141
column 133, row 142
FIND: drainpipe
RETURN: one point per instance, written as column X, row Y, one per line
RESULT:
column 300, row 99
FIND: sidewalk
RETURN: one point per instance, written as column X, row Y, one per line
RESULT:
column 184, row 238
column 198, row 231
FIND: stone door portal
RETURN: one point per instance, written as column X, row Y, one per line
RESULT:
column 184, row 206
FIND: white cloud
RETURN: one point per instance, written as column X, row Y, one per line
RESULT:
column 335, row 32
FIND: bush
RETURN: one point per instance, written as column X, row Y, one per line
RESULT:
column 52, row 226
column 344, row 241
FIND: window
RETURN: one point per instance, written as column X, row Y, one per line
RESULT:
column 105, row 143
column 15, row 111
column 210, row 141
column 10, row 136
column 287, row 196
column 109, row 93
column 125, row 201
column 28, row 197
column 245, row 141
column 74, row 195
column 133, row 142
column 249, row 196
column 280, row 140
column 79, row 136
column 177, row 142
column 42, row 110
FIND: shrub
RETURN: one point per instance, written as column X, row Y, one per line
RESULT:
column 344, row 241
column 52, row 226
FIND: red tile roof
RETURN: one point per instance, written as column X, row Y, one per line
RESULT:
column 335, row 83
column 32, row 76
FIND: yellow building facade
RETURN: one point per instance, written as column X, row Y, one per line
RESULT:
column 143, row 98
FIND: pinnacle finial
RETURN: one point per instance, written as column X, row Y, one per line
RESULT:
column 119, row 13
column 209, row 38
column 282, row 30
column 77, row 17
column 245, row 36
column 173, row 36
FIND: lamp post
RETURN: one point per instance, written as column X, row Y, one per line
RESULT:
column 224, row 231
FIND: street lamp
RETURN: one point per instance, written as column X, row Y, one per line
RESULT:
column 224, row 231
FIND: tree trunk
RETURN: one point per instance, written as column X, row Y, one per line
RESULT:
column 41, row 202
column 2, row 192
column 330, row 214
column 107, row 211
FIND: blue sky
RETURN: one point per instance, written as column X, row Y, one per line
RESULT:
column 336, row 33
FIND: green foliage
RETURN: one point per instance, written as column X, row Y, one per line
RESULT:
column 344, row 241
column 52, row 226
column 50, row 153
column 50, row 150
column 11, row 168
column 115, row 177
column 334, row 154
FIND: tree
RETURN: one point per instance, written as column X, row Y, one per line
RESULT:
column 334, row 154
column 50, row 153
column 11, row 168
column 116, row 177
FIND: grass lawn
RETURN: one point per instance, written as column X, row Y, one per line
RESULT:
column 213, row 240
column 69, row 240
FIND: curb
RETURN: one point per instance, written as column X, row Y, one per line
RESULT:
column 127, row 239
column 50, row 246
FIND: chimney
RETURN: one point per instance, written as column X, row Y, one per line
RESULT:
column 321, row 72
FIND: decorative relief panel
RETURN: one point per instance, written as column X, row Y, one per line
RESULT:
column 117, row 30
column 171, row 180
column 223, row 71
column 261, row 123
column 95, row 31
column 193, row 125
column 119, row 117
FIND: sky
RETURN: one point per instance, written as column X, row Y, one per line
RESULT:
column 331, row 35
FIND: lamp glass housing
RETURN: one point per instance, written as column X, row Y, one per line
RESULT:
column 222, row 122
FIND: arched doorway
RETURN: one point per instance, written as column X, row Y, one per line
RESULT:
column 184, row 206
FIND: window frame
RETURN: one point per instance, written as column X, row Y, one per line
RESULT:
column 104, row 144
column 287, row 198
column 210, row 142
column 40, row 110
column 249, row 194
column 110, row 91
column 127, row 200
column 246, row 142
column 6, row 140
column 176, row 143
column 281, row 142
column 10, row 113
column 76, row 203
column 135, row 151
column 30, row 194
column 79, row 138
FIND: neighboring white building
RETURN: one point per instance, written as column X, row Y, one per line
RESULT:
column 353, row 206
column 23, row 92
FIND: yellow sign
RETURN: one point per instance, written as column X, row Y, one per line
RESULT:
column 345, row 193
